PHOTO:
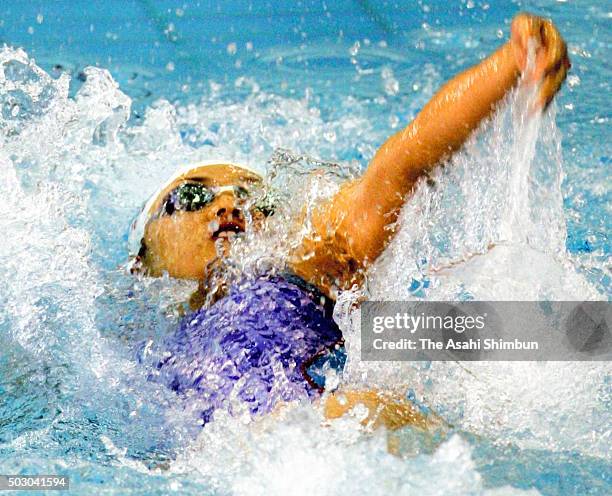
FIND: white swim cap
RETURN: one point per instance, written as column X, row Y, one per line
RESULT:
column 138, row 225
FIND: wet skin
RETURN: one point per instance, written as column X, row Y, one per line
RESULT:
column 352, row 229
column 183, row 243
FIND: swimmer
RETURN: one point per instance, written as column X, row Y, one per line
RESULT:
column 270, row 339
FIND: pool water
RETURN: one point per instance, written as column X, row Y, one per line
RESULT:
column 103, row 102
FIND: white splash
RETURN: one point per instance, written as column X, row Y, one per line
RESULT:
column 492, row 228
column 74, row 172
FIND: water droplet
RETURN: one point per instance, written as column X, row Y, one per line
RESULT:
column 15, row 110
column 40, row 18
column 30, row 30
column 390, row 83
column 170, row 66
column 330, row 136
column 179, row 12
column 249, row 46
column 581, row 52
column 360, row 412
column 354, row 50
column 232, row 48
column 332, row 380
column 308, row 255
column 573, row 80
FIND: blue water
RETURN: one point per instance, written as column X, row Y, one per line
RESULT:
column 240, row 79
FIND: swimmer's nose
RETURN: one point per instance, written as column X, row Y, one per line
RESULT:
column 227, row 209
column 235, row 212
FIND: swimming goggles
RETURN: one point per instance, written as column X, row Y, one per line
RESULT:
column 184, row 201
column 193, row 196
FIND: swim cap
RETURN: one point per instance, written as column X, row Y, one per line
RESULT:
column 139, row 223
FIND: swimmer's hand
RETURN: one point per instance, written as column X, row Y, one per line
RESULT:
column 551, row 60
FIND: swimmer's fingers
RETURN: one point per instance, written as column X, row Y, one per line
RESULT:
column 550, row 49
column 553, row 47
column 551, row 83
column 555, row 66
column 524, row 27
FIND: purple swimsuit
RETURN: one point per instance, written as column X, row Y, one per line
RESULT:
column 257, row 346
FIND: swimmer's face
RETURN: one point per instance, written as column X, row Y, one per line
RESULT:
column 193, row 219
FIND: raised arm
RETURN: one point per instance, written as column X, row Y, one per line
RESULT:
column 352, row 229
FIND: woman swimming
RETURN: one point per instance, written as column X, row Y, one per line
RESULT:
column 269, row 339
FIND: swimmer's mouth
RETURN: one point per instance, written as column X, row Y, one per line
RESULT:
column 227, row 230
